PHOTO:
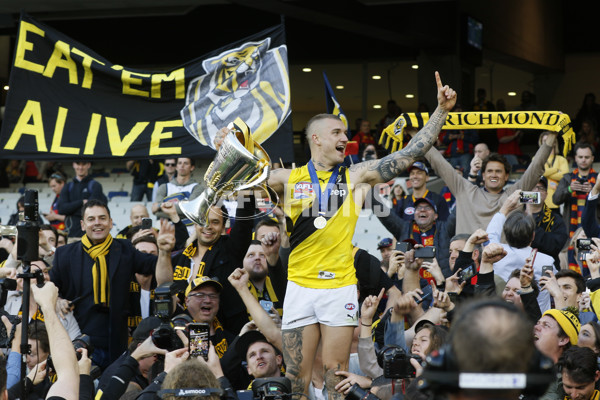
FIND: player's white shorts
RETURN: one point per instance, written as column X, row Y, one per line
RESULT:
column 332, row 307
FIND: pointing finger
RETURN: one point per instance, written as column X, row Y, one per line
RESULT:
column 438, row 80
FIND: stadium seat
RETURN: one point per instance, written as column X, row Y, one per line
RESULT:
column 115, row 194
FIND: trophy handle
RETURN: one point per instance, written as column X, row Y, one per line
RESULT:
column 258, row 178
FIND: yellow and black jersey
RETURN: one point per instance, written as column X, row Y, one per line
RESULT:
column 321, row 258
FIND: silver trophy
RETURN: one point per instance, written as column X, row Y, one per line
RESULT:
column 240, row 164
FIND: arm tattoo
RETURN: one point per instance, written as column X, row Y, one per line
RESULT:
column 392, row 165
column 292, row 354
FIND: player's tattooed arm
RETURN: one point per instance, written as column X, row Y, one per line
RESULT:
column 391, row 166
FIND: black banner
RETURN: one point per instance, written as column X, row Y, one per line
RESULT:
column 67, row 102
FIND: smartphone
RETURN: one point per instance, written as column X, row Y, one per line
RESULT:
column 266, row 305
column 546, row 269
column 467, row 273
column 584, row 244
column 532, row 255
column 530, row 198
column 198, row 335
column 403, row 246
column 146, row 223
column 425, row 252
column 424, row 297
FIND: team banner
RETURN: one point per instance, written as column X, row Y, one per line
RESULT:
column 554, row 121
column 68, row 102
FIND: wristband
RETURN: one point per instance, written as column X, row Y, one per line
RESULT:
column 441, row 287
column 472, row 176
column 369, row 325
column 569, row 189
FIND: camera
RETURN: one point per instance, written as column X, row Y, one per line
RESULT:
column 82, row 341
column 396, row 363
column 164, row 336
column 358, row 393
column 272, row 388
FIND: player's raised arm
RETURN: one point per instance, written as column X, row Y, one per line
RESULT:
column 389, row 167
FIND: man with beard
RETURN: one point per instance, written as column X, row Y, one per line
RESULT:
column 214, row 254
column 573, row 188
column 418, row 177
column 260, row 285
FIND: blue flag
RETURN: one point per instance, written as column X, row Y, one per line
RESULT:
column 333, row 107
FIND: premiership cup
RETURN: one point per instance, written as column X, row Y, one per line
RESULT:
column 240, row 164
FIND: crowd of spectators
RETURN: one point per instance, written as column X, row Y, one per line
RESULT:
column 477, row 279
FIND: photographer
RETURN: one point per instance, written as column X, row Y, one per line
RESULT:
column 131, row 370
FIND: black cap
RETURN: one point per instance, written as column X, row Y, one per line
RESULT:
column 544, row 181
column 145, row 328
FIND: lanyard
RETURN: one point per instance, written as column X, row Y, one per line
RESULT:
column 322, row 197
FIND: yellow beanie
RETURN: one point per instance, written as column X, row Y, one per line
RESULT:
column 568, row 322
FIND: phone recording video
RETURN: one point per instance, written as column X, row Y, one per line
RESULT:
column 530, row 198
column 467, row 273
column 198, row 335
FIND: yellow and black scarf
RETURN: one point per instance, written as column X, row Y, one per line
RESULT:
column 100, row 277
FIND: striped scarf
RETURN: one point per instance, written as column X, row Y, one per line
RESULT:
column 100, row 277
column 578, row 201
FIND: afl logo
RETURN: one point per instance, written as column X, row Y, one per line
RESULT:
column 409, row 210
column 350, row 306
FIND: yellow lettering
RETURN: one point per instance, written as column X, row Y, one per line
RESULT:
column 87, row 70
column 178, row 76
column 58, row 134
column 159, row 134
column 31, row 111
column 61, row 58
column 128, row 80
column 118, row 146
column 23, row 46
column 90, row 142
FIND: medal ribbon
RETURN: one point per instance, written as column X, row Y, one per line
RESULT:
column 322, row 197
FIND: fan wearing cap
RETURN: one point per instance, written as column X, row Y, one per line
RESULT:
column 550, row 229
column 418, row 177
column 263, row 359
column 425, row 229
column 385, row 247
column 554, row 334
column 202, row 300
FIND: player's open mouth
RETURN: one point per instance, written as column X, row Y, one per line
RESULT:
column 341, row 148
